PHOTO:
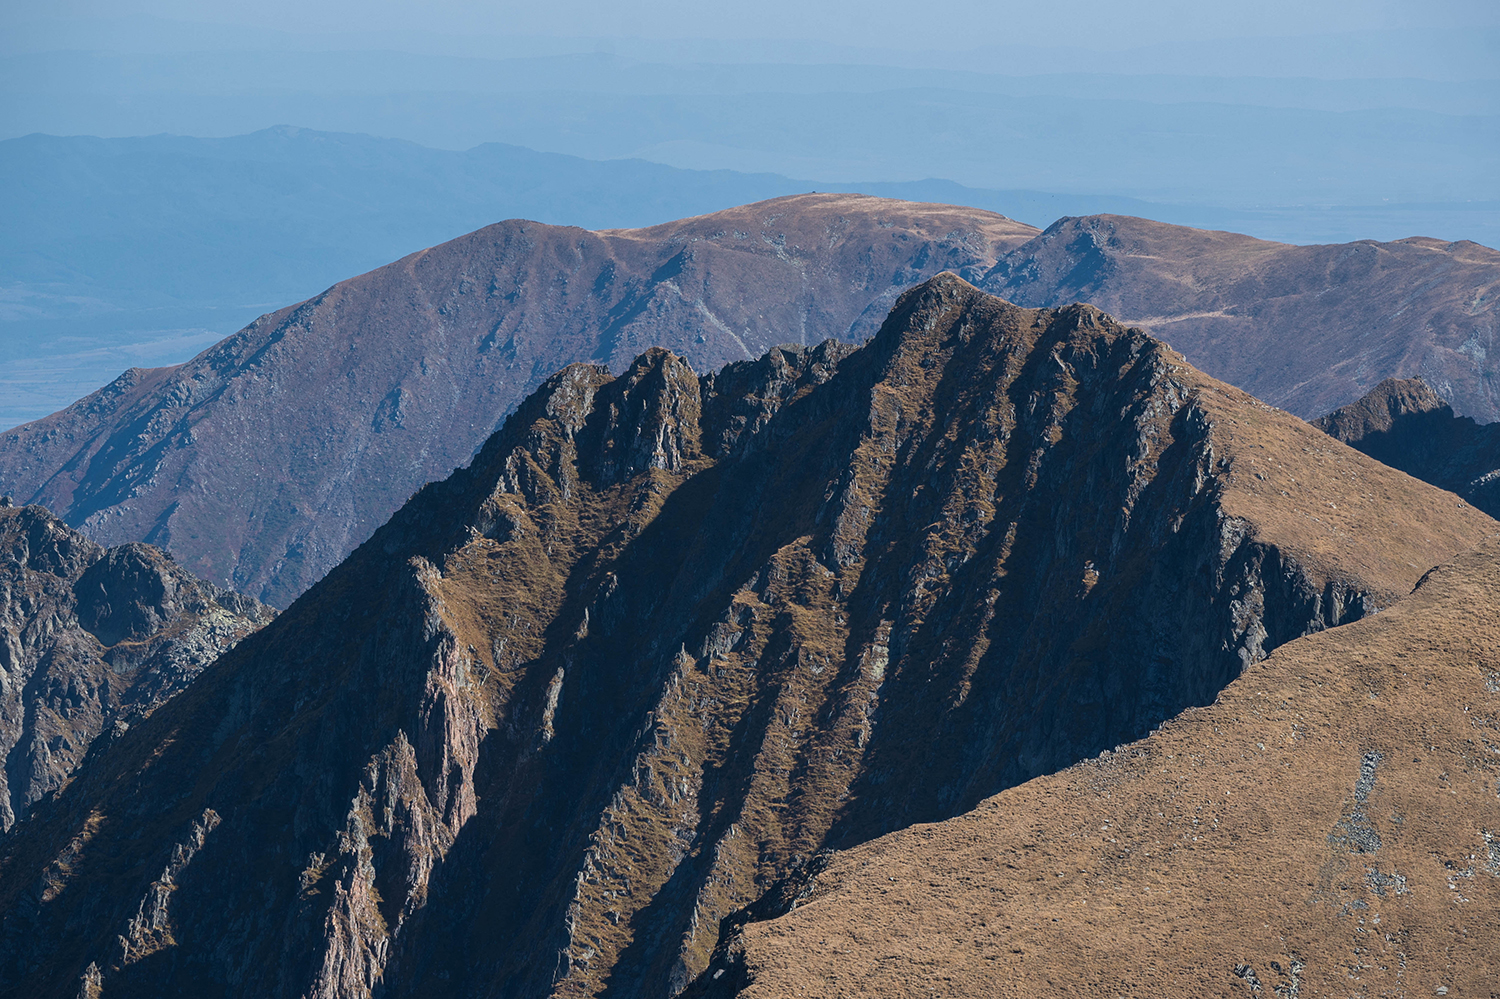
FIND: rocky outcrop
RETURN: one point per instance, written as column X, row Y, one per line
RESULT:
column 1308, row 328
column 667, row 638
column 265, row 460
column 91, row 642
column 1405, row 424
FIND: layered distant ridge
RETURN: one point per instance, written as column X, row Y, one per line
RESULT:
column 1306, row 328
column 271, row 456
column 268, row 458
column 668, row 637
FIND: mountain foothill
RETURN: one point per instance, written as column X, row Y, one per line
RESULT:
column 816, row 597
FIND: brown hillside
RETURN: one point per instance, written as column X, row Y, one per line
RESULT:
column 669, row 637
column 268, row 458
column 1306, row 328
column 1330, row 826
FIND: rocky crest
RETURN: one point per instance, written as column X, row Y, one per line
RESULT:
column 1307, row 328
column 91, row 642
column 1405, row 424
column 265, row 460
column 268, row 458
column 668, row 637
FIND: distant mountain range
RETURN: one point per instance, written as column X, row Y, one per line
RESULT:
column 275, row 453
column 269, row 457
column 140, row 252
column 1245, row 141
column 136, row 252
column 1307, row 328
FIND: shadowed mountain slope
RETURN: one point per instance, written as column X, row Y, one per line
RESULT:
column 1306, row 328
column 91, row 642
column 265, row 460
column 1329, row 826
column 668, row 636
column 1403, row 423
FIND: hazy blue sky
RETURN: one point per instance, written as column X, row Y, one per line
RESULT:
column 955, row 25
column 1302, row 120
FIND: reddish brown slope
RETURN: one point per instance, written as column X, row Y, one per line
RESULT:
column 268, row 458
column 1307, row 328
column 1329, row 827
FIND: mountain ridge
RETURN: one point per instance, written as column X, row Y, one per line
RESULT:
column 407, row 369
column 1306, row 328
column 1325, row 826
column 93, row 641
column 667, row 637
column 132, row 251
column 420, row 360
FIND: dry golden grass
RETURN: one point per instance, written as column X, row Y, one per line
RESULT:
column 1331, row 826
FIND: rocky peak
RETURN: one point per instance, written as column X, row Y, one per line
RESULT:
column 667, row 638
column 1378, row 411
column 131, row 593
column 647, row 418
column 741, row 398
column 36, row 541
column 92, row 640
column 1405, row 424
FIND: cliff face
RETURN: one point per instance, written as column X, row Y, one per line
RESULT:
column 1404, row 423
column 668, row 637
column 265, row 460
column 1307, row 328
column 1329, row 826
column 91, row 642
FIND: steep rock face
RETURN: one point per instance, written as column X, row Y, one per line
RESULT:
column 91, row 642
column 1329, row 826
column 265, row 460
column 1307, row 328
column 1404, row 423
column 668, row 637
